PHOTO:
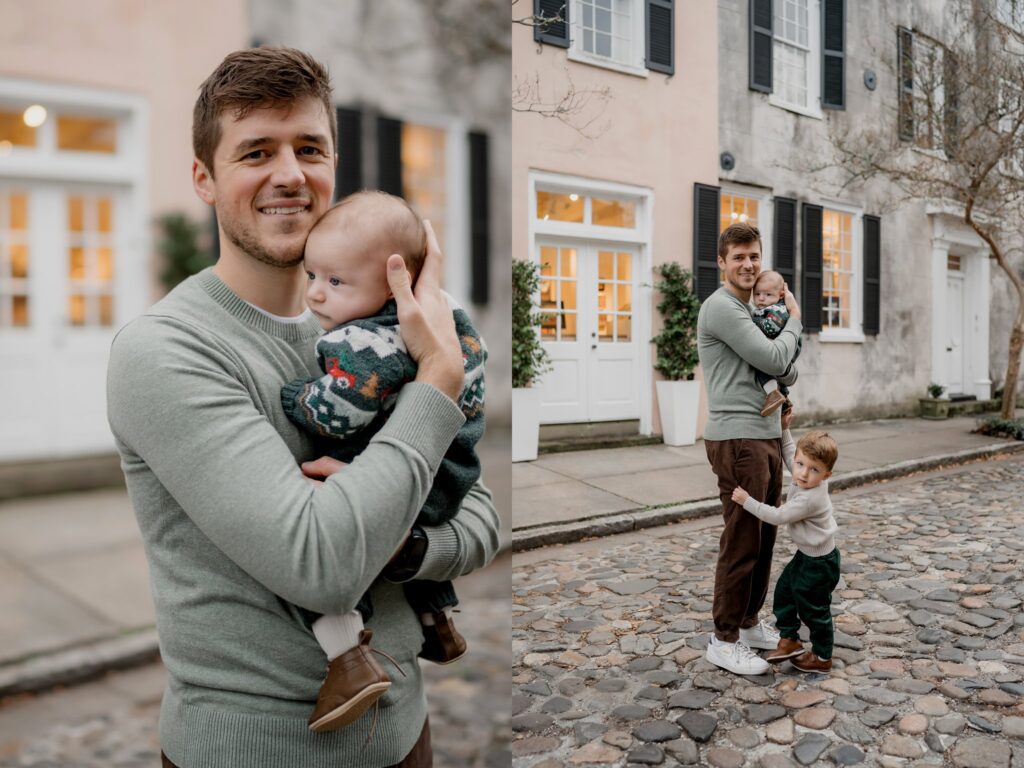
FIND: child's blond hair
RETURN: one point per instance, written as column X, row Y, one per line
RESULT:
column 820, row 446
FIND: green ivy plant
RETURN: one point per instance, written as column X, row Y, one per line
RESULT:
column 180, row 249
column 676, row 345
column 999, row 427
column 529, row 360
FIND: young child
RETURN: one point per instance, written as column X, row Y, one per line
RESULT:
column 365, row 364
column 803, row 592
column 770, row 315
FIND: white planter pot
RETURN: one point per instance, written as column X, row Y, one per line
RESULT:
column 678, row 402
column 525, row 423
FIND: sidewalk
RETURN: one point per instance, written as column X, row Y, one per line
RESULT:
column 564, row 497
column 74, row 584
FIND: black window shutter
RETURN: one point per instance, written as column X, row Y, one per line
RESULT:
column 551, row 22
column 389, row 155
column 833, row 53
column 348, row 174
column 811, row 267
column 705, row 239
column 761, row 45
column 872, row 274
column 905, row 59
column 660, row 37
column 784, row 236
column 479, row 219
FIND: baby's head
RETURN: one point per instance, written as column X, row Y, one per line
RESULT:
column 347, row 252
column 767, row 289
column 816, row 454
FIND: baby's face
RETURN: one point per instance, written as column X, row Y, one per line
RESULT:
column 344, row 284
column 767, row 292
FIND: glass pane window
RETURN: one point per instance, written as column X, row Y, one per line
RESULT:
column 15, row 265
column 737, row 209
column 424, row 179
column 558, row 293
column 614, row 295
column 837, row 269
column 553, row 206
column 929, row 93
column 87, row 134
column 14, row 131
column 91, row 260
column 790, row 68
column 604, row 28
column 613, row 213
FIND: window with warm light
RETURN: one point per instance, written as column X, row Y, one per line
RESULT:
column 737, row 209
column 86, row 134
column 424, row 176
column 558, row 293
column 614, row 295
column 90, row 231
column 581, row 208
column 14, row 260
column 837, row 270
column 13, row 130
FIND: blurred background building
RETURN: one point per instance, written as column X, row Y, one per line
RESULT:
column 95, row 154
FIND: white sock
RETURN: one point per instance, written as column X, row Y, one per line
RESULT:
column 770, row 386
column 428, row 618
column 338, row 633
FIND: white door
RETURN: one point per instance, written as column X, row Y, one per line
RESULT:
column 955, row 332
column 587, row 293
column 59, row 259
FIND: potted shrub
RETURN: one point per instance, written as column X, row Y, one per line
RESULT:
column 676, row 355
column 934, row 406
column 529, row 361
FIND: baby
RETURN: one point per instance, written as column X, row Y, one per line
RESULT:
column 770, row 315
column 804, row 590
column 365, row 364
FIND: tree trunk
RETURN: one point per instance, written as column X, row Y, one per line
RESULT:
column 1009, row 404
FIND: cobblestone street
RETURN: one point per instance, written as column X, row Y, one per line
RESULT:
column 609, row 636
column 112, row 723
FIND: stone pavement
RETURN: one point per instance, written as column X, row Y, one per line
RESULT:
column 112, row 722
column 608, row 641
column 565, row 497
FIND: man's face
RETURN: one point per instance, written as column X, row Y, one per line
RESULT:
column 274, row 177
column 741, row 265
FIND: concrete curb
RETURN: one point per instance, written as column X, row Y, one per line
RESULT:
column 640, row 518
column 77, row 665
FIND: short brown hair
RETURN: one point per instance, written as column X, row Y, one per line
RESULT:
column 396, row 226
column 252, row 79
column 737, row 234
column 820, row 446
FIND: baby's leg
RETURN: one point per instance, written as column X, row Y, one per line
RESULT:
column 433, row 602
column 338, row 633
column 766, row 382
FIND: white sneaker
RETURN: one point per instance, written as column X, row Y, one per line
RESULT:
column 764, row 637
column 735, row 657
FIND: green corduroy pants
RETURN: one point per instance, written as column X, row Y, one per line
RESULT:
column 803, row 594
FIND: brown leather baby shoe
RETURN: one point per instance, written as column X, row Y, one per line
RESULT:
column 772, row 402
column 442, row 643
column 809, row 662
column 354, row 682
column 786, row 649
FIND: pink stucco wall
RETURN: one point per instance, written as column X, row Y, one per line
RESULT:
column 658, row 132
column 159, row 50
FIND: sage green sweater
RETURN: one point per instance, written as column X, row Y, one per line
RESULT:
column 237, row 539
column 731, row 348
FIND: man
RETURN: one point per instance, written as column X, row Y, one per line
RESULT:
column 744, row 448
column 241, row 546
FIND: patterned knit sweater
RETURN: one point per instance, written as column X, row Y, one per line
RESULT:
column 365, row 364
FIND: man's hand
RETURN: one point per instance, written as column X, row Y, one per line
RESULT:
column 791, row 304
column 739, row 495
column 321, row 468
column 787, row 419
column 428, row 328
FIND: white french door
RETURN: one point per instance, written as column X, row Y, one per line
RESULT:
column 588, row 295
column 955, row 332
column 61, row 283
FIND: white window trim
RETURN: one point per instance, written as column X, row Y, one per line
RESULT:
column 855, row 333
column 766, row 215
column 576, row 52
column 813, row 68
column 642, row 236
column 457, row 247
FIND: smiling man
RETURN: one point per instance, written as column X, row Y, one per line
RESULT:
column 744, row 448
column 241, row 546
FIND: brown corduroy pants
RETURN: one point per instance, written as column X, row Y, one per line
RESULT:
column 420, row 756
column 745, row 547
